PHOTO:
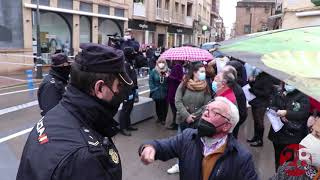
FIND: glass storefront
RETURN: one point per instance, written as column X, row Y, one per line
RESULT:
column 171, row 40
column 107, row 27
column 179, row 40
column 55, row 35
column 85, row 29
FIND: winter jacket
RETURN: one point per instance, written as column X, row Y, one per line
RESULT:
column 297, row 106
column 158, row 90
column 262, row 89
column 241, row 102
column 174, row 80
column 188, row 102
column 236, row 163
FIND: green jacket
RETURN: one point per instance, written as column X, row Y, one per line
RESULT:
column 158, row 90
column 189, row 102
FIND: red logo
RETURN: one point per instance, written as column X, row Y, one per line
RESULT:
column 291, row 155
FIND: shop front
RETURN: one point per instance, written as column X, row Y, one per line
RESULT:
column 143, row 32
column 55, row 34
column 177, row 36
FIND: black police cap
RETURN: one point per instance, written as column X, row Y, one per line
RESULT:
column 59, row 59
column 99, row 58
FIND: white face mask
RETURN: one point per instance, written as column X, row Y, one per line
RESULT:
column 161, row 65
column 311, row 151
column 127, row 37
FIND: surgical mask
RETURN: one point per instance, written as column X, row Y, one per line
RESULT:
column 161, row 65
column 289, row 88
column 310, row 153
column 202, row 76
column 206, row 129
column 157, row 53
column 214, row 86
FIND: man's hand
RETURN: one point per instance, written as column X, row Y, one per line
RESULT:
column 282, row 113
column 190, row 119
column 148, row 154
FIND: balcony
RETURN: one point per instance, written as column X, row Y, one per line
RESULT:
column 139, row 9
column 159, row 14
column 188, row 21
column 166, row 15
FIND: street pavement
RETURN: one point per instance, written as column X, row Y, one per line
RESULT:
column 19, row 112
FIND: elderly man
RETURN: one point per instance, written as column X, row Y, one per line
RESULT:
column 209, row 152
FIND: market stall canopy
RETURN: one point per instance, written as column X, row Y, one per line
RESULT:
column 291, row 55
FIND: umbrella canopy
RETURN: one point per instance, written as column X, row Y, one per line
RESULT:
column 291, row 55
column 187, row 54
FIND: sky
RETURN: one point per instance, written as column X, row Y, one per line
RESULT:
column 228, row 13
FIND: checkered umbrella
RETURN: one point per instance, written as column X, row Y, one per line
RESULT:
column 187, row 54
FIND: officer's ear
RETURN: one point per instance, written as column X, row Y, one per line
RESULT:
column 99, row 89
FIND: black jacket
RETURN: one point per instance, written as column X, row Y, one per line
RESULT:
column 241, row 102
column 72, row 142
column 50, row 91
column 235, row 164
column 130, row 69
column 262, row 89
column 297, row 106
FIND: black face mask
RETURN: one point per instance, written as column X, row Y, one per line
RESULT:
column 63, row 71
column 207, row 129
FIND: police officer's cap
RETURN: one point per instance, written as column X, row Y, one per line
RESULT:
column 99, row 58
column 59, row 59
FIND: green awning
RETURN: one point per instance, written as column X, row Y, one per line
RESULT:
column 291, row 55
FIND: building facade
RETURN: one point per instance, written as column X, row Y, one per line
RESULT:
column 252, row 16
column 170, row 23
column 300, row 13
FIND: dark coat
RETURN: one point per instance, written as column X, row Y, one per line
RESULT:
column 297, row 105
column 235, row 164
column 174, row 80
column 72, row 142
column 50, row 91
column 130, row 69
column 158, row 90
column 262, row 89
column 241, row 102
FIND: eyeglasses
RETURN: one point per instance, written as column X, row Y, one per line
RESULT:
column 216, row 113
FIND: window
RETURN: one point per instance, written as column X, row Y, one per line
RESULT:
column 159, row 3
column 183, row 9
column 119, row 12
column 104, row 10
column 247, row 29
column 41, row 2
column 85, row 7
column 248, row 9
column 189, row 10
column 66, row 4
column 177, row 7
column 138, row 1
column 167, row 4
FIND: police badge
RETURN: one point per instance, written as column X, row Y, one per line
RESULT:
column 114, row 156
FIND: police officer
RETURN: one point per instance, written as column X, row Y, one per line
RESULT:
column 127, row 105
column 53, row 85
column 73, row 141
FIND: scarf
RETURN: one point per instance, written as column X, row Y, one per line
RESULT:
column 196, row 85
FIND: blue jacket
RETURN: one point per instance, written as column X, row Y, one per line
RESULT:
column 236, row 162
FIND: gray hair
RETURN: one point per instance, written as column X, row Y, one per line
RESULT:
column 229, row 77
column 234, row 113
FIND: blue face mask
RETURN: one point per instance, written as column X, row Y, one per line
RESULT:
column 202, row 76
column 214, row 86
column 289, row 88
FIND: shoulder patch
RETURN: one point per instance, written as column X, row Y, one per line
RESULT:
column 53, row 81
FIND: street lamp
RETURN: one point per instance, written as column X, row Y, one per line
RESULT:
column 39, row 62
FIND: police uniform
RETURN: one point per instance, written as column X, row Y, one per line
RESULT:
column 73, row 141
column 53, row 85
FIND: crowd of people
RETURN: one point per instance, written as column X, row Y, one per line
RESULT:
column 73, row 140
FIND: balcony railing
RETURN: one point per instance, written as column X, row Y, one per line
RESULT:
column 166, row 15
column 139, row 9
column 159, row 13
column 188, row 21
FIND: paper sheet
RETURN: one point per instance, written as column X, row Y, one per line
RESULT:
column 275, row 120
column 247, row 93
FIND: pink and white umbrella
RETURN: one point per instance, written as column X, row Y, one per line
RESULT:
column 187, row 54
